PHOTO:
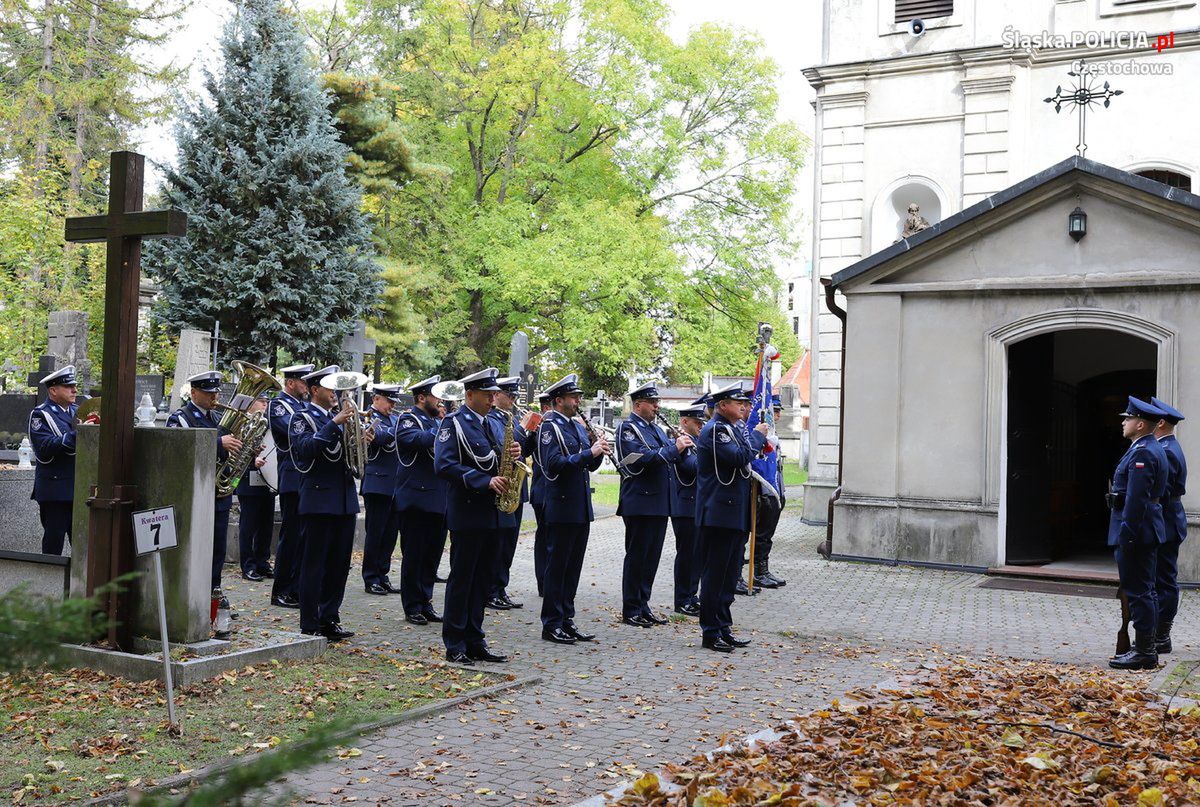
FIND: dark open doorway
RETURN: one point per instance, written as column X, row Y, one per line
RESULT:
column 1065, row 390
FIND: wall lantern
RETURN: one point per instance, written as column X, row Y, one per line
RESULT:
column 1077, row 223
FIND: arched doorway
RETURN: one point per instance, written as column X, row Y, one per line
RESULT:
column 1065, row 389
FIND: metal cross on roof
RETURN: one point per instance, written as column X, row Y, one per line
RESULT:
column 1082, row 95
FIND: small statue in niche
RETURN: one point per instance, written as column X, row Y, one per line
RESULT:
column 914, row 222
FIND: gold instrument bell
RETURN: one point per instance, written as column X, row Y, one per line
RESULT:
column 354, row 434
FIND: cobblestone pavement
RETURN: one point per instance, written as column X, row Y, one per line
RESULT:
column 638, row 698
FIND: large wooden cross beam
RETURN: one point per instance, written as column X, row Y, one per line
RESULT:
column 110, row 528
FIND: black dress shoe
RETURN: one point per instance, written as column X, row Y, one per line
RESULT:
column 375, row 588
column 430, row 614
column 742, row 589
column 765, row 581
column 687, row 609
column 579, row 635
column 735, row 641
column 416, row 619
column 437, row 579
column 312, row 633
column 497, row 604
column 511, row 602
column 655, row 618
column 720, row 645
column 483, row 654
column 638, row 621
column 387, row 584
column 334, row 632
column 252, row 575
column 268, row 573
column 558, row 636
column 284, row 601
column 459, row 658
column 779, row 581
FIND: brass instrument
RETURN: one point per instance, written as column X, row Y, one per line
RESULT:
column 248, row 427
column 511, row 469
column 451, row 393
column 354, row 434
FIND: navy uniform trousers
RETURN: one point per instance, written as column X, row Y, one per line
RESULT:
column 291, row 547
column 505, row 552
column 328, row 542
column 473, row 558
column 255, row 526
column 422, row 542
column 687, row 561
column 382, row 525
column 541, row 547
column 56, row 526
column 720, row 556
column 644, row 537
column 564, row 566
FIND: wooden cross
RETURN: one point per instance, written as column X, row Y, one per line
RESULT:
column 110, row 525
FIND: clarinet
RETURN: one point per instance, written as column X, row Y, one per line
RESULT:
column 591, row 433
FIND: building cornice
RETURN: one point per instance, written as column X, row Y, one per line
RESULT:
column 844, row 99
column 976, row 86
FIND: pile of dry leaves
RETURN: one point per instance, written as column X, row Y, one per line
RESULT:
column 997, row 733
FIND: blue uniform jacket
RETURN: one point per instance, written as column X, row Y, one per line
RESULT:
column 646, row 482
column 565, row 454
column 417, row 486
column 326, row 484
column 279, row 416
column 1173, row 513
column 521, row 437
column 382, row 461
column 190, row 416
column 683, row 485
column 537, row 482
column 52, row 436
column 1140, row 479
column 465, row 456
column 723, row 455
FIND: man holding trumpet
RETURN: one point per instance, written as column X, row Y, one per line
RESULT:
column 328, row 501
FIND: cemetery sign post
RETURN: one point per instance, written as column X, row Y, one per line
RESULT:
column 110, row 543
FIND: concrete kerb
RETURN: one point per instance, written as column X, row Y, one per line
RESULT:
column 409, row 716
column 292, row 646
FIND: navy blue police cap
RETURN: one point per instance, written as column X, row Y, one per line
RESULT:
column 297, row 370
column 510, row 384
column 697, row 411
column 1140, row 409
column 734, row 392
column 424, row 386
column 646, row 392
column 208, row 381
column 484, row 381
column 313, row 379
column 61, row 378
column 1173, row 415
column 568, row 385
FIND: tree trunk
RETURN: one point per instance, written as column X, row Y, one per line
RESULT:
column 41, row 149
column 81, row 118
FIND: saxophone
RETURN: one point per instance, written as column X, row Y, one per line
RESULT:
column 512, row 470
column 251, row 430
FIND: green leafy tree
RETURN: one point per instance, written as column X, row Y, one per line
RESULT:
column 278, row 246
column 619, row 196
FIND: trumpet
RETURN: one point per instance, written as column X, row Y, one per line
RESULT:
column 354, row 434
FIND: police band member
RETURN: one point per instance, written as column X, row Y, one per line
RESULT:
column 1136, row 527
column 1166, row 585
column 328, row 507
column 256, row 500
column 683, row 515
column 420, row 504
column 52, row 437
column 724, row 452
column 770, row 508
column 198, row 413
column 378, row 487
column 467, row 456
column 644, row 456
column 504, row 407
column 541, row 550
column 566, row 457
column 285, row 592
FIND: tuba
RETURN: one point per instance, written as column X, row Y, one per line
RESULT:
column 513, row 470
column 248, row 427
column 354, row 434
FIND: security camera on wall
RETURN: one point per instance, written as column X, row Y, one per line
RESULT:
column 916, row 27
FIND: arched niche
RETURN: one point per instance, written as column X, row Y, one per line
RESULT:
column 891, row 207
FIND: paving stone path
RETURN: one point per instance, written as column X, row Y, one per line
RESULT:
column 638, row 698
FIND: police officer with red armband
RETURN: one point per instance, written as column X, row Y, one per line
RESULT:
column 1136, row 527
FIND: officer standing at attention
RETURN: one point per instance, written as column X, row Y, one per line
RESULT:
column 644, row 456
column 256, row 522
column 52, row 436
column 285, row 592
column 1136, row 528
column 420, row 504
column 723, row 453
column 1167, row 564
column 328, row 508
column 467, row 457
column 197, row 414
column 683, row 515
column 505, row 406
column 566, row 457
column 378, row 487
column 537, row 485
column 770, row 508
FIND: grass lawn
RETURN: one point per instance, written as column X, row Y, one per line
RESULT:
column 73, row 734
column 794, row 475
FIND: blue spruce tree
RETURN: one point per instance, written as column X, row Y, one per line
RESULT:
column 278, row 248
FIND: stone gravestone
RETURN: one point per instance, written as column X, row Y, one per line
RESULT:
column 192, row 358
column 148, row 384
column 68, row 344
column 356, row 345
